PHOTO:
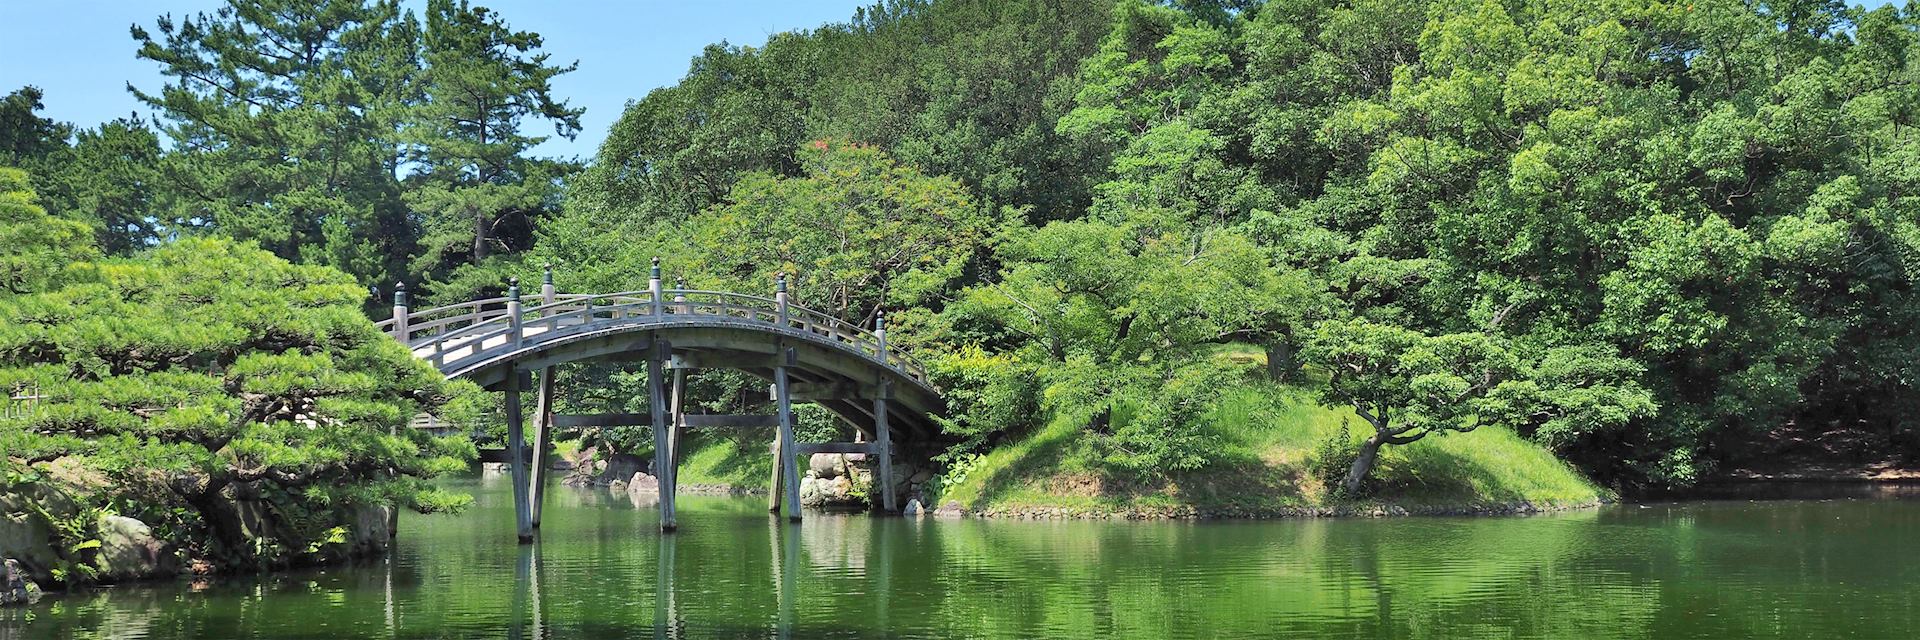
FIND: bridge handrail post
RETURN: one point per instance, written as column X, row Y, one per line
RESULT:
column 680, row 297
column 880, row 337
column 513, row 311
column 400, row 312
column 653, row 286
column 548, row 295
column 780, row 298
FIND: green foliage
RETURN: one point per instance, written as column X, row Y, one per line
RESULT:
column 961, row 89
column 855, row 233
column 35, row 248
column 206, row 367
column 345, row 133
column 1641, row 234
column 1333, row 458
column 477, row 187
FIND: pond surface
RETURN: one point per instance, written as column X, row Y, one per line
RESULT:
column 1788, row 569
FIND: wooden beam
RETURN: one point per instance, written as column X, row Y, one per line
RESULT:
column 883, row 448
column 790, row 481
column 518, row 381
column 738, row 360
column 657, row 404
column 542, row 441
column 810, row 448
column 517, row 458
column 603, row 420
column 711, row 421
column 811, row 391
column 732, row 421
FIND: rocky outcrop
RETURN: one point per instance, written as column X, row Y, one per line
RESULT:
column 25, row 538
column 16, row 587
column 128, row 551
column 832, row 480
column 821, row 493
column 372, row 531
column 250, row 531
column 618, row 468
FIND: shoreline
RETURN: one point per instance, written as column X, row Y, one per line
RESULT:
column 1354, row 511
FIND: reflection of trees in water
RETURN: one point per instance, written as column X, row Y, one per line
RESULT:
column 1418, row 577
column 602, row 570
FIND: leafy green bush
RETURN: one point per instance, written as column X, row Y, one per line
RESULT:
column 207, row 369
column 1332, row 458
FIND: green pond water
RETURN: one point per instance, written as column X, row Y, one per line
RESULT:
column 1837, row 568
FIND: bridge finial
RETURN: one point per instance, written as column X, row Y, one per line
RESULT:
column 656, row 267
column 548, row 278
column 880, row 320
column 400, row 294
column 680, row 283
column 513, row 288
column 780, row 282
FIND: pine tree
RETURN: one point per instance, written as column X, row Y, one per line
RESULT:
column 477, row 189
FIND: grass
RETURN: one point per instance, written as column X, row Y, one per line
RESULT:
column 1268, row 435
column 732, row 462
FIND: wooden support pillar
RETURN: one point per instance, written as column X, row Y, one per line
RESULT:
column 790, row 476
column 883, row 446
column 662, row 450
column 776, row 487
column 882, row 435
column 517, row 459
column 543, row 413
column 678, row 420
column 542, row 443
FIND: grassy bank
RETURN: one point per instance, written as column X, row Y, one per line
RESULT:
column 1269, row 438
column 722, row 464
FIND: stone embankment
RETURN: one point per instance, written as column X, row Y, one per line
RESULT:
column 47, row 538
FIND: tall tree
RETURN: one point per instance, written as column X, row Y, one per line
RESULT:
column 285, row 116
column 24, row 134
column 482, row 82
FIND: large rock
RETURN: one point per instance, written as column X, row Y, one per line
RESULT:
column 622, row 466
column 826, row 465
column 25, row 538
column 372, row 530
column 827, row 492
column 16, row 587
column 642, row 482
column 128, row 551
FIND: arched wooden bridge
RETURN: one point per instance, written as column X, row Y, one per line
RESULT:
column 808, row 356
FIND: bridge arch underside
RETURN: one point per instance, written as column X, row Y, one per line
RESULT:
column 838, row 378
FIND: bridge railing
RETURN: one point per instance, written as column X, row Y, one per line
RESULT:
column 450, row 334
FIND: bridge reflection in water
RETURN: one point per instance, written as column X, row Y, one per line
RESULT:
column 827, row 548
column 807, row 356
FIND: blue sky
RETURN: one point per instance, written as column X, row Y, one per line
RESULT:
column 79, row 52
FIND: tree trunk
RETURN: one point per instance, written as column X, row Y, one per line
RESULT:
column 480, row 228
column 1362, row 465
column 1280, row 362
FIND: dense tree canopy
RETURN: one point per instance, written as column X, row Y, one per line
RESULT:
column 1650, row 236
column 1685, row 225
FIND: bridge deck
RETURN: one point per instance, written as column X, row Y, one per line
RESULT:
column 846, row 369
